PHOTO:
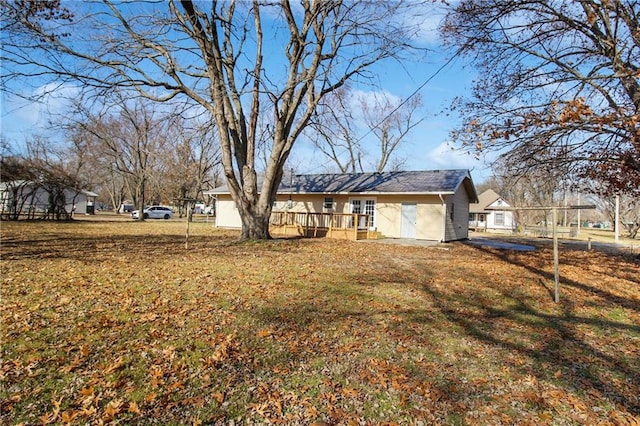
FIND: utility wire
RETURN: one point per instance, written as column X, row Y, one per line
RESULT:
column 401, row 104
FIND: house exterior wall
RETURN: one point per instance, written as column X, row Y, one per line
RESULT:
column 430, row 212
column 430, row 220
column 508, row 222
column 457, row 216
column 227, row 215
column 388, row 211
column 428, row 216
column 32, row 199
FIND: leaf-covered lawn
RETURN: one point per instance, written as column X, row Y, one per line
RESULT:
column 117, row 322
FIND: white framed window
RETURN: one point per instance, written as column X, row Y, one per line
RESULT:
column 370, row 209
column 499, row 219
column 365, row 206
column 328, row 203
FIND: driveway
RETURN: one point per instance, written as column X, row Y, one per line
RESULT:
column 499, row 244
column 405, row 242
column 507, row 242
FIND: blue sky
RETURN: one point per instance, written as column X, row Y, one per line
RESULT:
column 426, row 147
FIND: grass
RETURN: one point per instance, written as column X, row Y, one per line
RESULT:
column 114, row 321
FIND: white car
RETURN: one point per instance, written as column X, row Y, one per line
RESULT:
column 153, row 212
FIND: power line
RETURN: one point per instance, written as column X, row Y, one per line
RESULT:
column 401, row 104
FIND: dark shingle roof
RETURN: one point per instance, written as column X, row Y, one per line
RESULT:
column 402, row 182
column 431, row 181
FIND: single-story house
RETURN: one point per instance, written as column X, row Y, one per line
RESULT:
column 29, row 199
column 491, row 213
column 429, row 205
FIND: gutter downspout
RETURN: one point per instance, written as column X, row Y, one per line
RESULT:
column 444, row 219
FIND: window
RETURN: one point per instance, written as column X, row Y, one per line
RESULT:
column 362, row 207
column 370, row 209
column 451, row 211
column 499, row 219
column 328, row 203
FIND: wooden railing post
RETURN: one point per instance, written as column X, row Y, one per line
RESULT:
column 331, row 226
column 357, row 223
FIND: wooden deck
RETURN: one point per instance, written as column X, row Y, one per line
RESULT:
column 350, row 226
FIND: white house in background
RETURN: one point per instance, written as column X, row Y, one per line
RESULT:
column 28, row 199
column 491, row 213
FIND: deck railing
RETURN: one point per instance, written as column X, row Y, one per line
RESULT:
column 336, row 225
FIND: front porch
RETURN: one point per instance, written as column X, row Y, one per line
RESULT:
column 350, row 226
column 477, row 225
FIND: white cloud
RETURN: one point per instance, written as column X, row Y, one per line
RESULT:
column 22, row 117
column 373, row 99
column 444, row 156
column 428, row 21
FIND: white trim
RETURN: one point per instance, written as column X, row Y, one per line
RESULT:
column 363, row 204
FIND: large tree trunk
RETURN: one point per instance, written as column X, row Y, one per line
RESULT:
column 255, row 207
column 216, row 60
column 255, row 226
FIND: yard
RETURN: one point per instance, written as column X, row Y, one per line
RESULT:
column 107, row 321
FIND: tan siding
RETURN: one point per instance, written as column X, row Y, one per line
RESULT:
column 227, row 215
column 458, row 227
column 429, row 212
column 299, row 203
column 429, row 216
column 430, row 220
column 388, row 217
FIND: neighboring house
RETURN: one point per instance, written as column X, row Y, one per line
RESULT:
column 429, row 205
column 491, row 213
column 30, row 200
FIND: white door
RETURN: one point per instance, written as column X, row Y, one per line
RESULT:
column 408, row 221
column 365, row 206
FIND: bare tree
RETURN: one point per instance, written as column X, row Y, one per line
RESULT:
column 129, row 141
column 333, row 131
column 221, row 56
column 558, row 80
column 390, row 121
column 538, row 187
column 191, row 161
column 629, row 212
column 17, row 177
column 46, row 180
column 339, row 132
column 106, row 179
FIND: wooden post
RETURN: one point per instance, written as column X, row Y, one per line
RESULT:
column 616, row 225
column 556, row 267
column 356, row 216
column 554, row 211
column 331, row 226
column 186, row 239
